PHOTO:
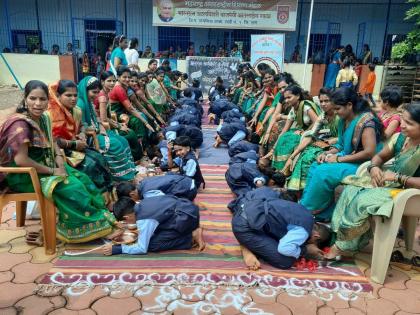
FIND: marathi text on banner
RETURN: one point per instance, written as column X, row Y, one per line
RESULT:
column 268, row 48
column 207, row 69
column 251, row 14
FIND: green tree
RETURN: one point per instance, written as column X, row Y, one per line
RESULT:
column 411, row 45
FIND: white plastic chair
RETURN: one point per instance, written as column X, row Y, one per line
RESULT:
column 406, row 211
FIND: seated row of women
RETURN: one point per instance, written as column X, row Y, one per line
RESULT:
column 321, row 147
column 83, row 138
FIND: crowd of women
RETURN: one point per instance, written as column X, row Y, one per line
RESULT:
column 314, row 146
column 86, row 139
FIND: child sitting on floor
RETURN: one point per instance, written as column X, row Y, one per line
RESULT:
column 164, row 223
column 185, row 159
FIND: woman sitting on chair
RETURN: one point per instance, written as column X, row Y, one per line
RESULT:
column 26, row 141
column 373, row 195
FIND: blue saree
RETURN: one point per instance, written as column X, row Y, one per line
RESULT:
column 332, row 71
column 324, row 178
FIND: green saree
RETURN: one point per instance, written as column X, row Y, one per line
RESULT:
column 82, row 215
column 273, row 106
column 114, row 148
column 157, row 96
column 297, row 180
column 360, row 199
column 287, row 142
column 236, row 95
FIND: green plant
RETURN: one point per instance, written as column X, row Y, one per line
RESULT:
column 411, row 45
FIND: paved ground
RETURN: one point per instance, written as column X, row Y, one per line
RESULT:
column 23, row 266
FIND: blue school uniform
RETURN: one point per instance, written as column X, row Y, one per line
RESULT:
column 261, row 193
column 218, row 107
column 242, row 177
column 249, row 156
column 188, row 166
column 242, row 146
column 233, row 132
column 273, row 229
column 185, row 118
column 232, row 116
column 194, row 133
column 170, row 184
column 165, row 222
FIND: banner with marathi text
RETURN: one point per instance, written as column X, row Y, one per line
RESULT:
column 245, row 14
column 207, row 69
column 268, row 48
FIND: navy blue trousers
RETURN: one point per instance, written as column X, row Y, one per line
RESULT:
column 259, row 243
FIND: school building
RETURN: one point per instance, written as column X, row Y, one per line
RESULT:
column 90, row 26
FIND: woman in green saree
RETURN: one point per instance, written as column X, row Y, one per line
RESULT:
column 111, row 123
column 26, row 141
column 270, row 90
column 157, row 95
column 313, row 142
column 122, row 106
column 70, row 136
column 303, row 115
column 373, row 194
column 276, row 118
column 114, row 148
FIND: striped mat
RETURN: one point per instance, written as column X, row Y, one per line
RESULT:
column 219, row 264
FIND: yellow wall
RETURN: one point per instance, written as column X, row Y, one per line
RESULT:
column 296, row 70
column 27, row 67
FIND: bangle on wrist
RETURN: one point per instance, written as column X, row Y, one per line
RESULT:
column 51, row 171
column 399, row 179
column 405, row 180
column 371, row 166
column 336, row 159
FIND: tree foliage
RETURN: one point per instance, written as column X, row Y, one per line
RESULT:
column 411, row 45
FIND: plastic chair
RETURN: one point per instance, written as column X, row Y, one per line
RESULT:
column 406, row 210
column 47, row 208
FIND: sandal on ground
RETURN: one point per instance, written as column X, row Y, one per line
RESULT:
column 415, row 261
column 34, row 238
column 398, row 260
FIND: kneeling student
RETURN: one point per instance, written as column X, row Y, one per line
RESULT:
column 230, row 133
column 170, row 184
column 243, row 177
column 276, row 230
column 164, row 223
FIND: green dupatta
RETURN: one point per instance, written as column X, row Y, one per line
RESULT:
column 88, row 112
column 299, row 112
column 406, row 163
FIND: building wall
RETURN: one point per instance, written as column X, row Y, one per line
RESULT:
column 49, row 69
column 55, row 21
column 29, row 67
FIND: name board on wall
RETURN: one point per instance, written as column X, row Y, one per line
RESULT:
column 268, row 48
column 279, row 15
column 207, row 69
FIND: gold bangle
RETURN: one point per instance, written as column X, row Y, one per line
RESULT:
column 405, row 180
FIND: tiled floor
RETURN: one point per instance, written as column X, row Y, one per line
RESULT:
column 22, row 267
